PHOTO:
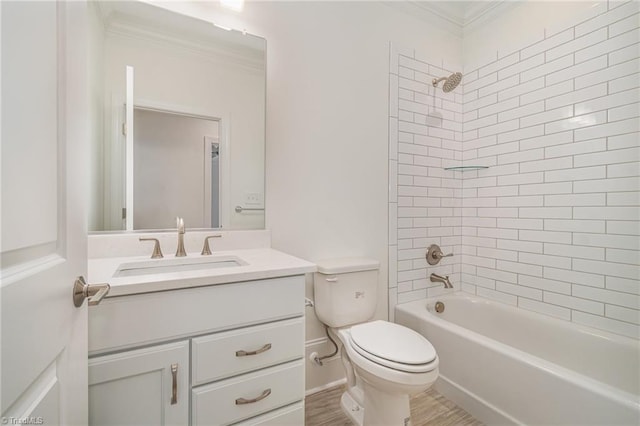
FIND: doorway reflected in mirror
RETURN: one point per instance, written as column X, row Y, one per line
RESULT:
column 176, row 170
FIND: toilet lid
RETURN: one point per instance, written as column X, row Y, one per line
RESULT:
column 392, row 342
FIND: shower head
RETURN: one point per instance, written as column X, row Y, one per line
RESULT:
column 450, row 83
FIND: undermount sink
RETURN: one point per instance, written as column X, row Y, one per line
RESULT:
column 182, row 264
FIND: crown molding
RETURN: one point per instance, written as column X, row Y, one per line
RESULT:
column 219, row 53
column 481, row 13
column 456, row 17
column 157, row 26
column 429, row 15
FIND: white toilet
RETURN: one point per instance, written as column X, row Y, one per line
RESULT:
column 385, row 363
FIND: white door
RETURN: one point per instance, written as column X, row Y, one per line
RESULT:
column 44, row 134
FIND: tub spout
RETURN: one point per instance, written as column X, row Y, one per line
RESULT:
column 435, row 278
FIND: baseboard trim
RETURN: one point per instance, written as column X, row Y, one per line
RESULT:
column 313, row 342
column 326, row 386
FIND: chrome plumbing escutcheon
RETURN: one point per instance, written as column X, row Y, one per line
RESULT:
column 434, row 254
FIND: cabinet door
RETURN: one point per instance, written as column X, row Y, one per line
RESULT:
column 147, row 386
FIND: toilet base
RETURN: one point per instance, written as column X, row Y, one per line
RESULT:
column 352, row 409
column 384, row 409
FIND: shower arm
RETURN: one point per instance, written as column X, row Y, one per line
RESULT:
column 435, row 81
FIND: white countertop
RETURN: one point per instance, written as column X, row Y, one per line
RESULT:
column 262, row 263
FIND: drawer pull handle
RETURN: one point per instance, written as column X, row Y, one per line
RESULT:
column 259, row 351
column 265, row 393
column 174, row 387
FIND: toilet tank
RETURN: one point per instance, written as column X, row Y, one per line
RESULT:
column 345, row 290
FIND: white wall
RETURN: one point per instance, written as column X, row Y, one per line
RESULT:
column 327, row 128
column 552, row 106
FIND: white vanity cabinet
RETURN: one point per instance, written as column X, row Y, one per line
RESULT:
column 148, row 386
column 213, row 355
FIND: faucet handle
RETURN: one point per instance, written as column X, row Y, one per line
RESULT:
column 157, row 253
column 206, row 251
column 434, row 254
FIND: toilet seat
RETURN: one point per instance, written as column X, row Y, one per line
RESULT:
column 393, row 346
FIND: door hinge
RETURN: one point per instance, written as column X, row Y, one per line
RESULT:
column 124, row 213
column 124, row 129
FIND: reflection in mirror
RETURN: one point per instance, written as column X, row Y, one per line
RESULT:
column 183, row 145
column 191, row 137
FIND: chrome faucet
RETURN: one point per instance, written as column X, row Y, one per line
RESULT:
column 180, row 251
column 435, row 278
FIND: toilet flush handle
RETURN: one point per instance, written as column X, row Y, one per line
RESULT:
column 332, row 279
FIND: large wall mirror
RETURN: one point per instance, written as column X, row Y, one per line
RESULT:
column 178, row 111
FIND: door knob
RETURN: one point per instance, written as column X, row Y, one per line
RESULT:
column 94, row 292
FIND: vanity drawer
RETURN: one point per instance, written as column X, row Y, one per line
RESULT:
column 221, row 403
column 234, row 352
column 125, row 322
column 291, row 415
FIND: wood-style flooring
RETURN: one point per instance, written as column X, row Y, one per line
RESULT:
column 427, row 409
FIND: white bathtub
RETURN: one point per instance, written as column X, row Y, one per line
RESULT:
column 505, row 365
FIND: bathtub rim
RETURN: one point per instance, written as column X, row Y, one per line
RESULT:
column 618, row 338
column 623, row 397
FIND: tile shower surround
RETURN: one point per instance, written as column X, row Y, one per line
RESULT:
column 553, row 225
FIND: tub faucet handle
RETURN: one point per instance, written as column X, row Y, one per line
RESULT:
column 434, row 254
column 206, row 250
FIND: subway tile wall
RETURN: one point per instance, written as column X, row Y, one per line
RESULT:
column 553, row 225
column 425, row 200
